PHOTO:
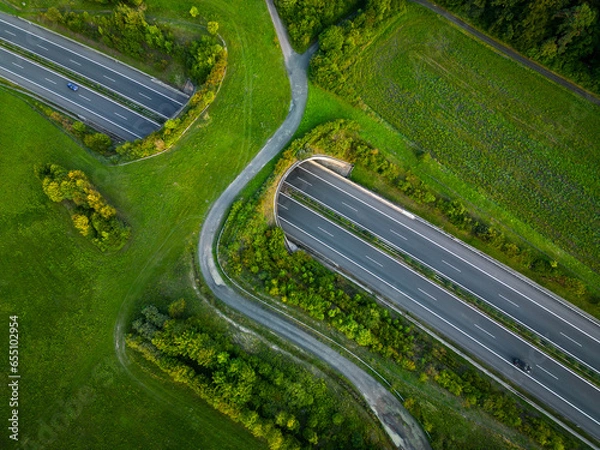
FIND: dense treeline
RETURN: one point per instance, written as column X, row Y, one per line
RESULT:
column 305, row 19
column 127, row 30
column 92, row 216
column 562, row 34
column 255, row 253
column 275, row 399
column 339, row 45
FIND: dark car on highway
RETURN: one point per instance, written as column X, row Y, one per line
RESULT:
column 522, row 365
column 72, row 86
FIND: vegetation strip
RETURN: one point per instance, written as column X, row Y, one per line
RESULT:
column 277, row 400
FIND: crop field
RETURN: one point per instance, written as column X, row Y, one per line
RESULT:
column 527, row 144
column 74, row 394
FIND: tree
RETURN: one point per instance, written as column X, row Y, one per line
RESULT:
column 177, row 308
column 194, row 12
column 54, row 15
column 82, row 223
column 213, row 28
column 98, row 142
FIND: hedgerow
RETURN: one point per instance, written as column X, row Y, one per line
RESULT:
column 277, row 400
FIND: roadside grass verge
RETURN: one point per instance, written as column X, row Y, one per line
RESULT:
column 528, row 145
column 69, row 296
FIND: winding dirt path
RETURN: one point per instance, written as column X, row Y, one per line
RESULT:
column 400, row 426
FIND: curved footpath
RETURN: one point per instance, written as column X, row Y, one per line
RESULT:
column 400, row 426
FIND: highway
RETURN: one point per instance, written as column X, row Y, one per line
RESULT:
column 515, row 296
column 550, row 382
column 128, row 82
column 86, row 104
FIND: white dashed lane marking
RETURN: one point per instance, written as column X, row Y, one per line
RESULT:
column 509, row 301
column 371, row 259
column 325, row 231
column 450, row 265
column 549, row 373
column 485, row 331
column 348, row 206
column 570, row 338
column 427, row 294
column 398, row 234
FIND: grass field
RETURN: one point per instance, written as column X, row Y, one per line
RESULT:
column 525, row 143
column 68, row 295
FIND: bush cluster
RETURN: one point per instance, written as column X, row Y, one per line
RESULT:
column 276, row 400
column 92, row 216
column 98, row 142
column 305, row 19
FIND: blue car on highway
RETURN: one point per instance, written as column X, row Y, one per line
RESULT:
column 72, row 86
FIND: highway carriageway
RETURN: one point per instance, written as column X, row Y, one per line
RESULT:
column 550, row 382
column 90, row 106
column 128, row 82
column 543, row 313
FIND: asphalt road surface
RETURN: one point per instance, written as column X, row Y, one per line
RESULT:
column 551, row 318
column 118, row 77
column 86, row 104
column 553, row 384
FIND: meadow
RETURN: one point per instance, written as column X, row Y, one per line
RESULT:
column 68, row 295
column 526, row 144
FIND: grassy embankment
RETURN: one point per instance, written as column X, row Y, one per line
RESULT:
column 68, row 295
